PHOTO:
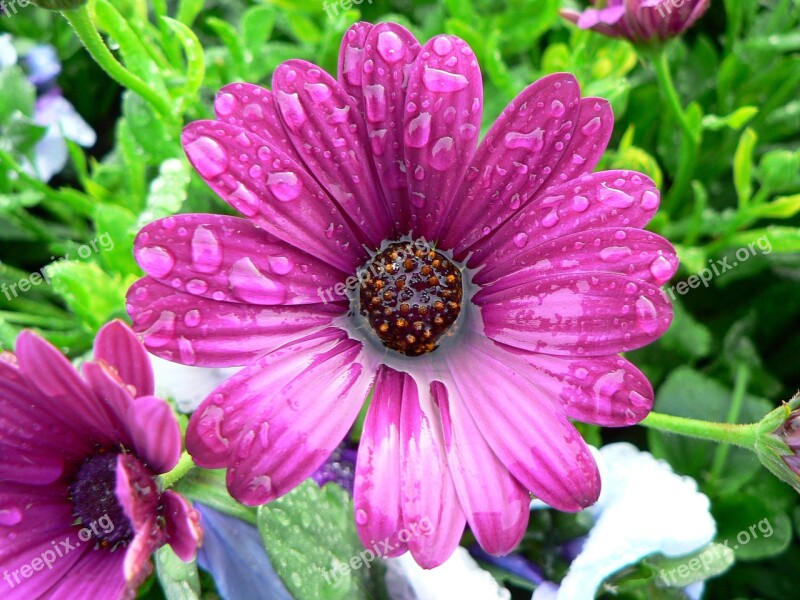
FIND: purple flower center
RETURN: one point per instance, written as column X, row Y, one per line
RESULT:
column 411, row 296
column 94, row 499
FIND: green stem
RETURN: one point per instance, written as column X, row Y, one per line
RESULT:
column 690, row 139
column 81, row 20
column 738, row 435
column 739, row 390
column 185, row 464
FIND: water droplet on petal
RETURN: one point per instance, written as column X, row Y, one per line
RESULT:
column 650, row 200
column 531, row 141
column 280, row 265
column 197, row 287
column 592, row 126
column 285, row 186
column 443, row 154
column 186, row 352
column 244, row 199
column 155, row 260
column 646, row 315
column 418, row 130
column 557, row 108
column 225, row 104
column 206, row 251
column 550, row 219
column 637, row 400
column 615, row 198
column 521, row 239
column 251, row 285
column 361, row 516
column 208, row 157
column 191, row 318
column 375, row 98
column 436, row 80
column 661, row 269
column 390, row 47
column 319, row 92
column 10, row 516
column 615, row 253
column 291, row 109
column 580, row 204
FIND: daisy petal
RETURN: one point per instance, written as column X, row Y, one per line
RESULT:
column 328, row 131
column 268, row 186
column 389, row 54
column 432, row 516
column 201, row 332
column 377, row 483
column 515, row 159
column 531, row 436
column 118, row 347
column 496, row 505
column 270, row 434
column 633, row 252
column 604, row 390
column 229, row 258
column 97, row 575
column 155, row 433
column 351, row 60
column 183, row 525
column 591, row 314
column 604, row 199
column 444, row 106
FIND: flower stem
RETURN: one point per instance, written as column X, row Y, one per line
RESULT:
column 737, row 402
column 690, row 139
column 738, row 435
column 81, row 20
column 185, row 464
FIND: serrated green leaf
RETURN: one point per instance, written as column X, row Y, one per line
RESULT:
column 79, row 283
column 167, row 192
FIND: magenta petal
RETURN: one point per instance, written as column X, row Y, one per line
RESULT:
column 62, row 386
column 636, row 253
column 531, row 435
column 515, row 159
column 496, row 505
column 155, row 433
column 433, row 519
column 604, row 390
column 118, row 347
column 116, row 396
column 183, row 525
column 202, row 332
column 591, row 314
column 282, row 416
column 328, row 131
column 444, row 106
column 389, row 54
column 351, row 59
column 253, row 108
column 99, row 574
column 266, row 185
column 228, row 258
column 377, row 484
column 604, row 199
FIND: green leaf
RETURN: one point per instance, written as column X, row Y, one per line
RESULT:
column 149, row 128
column 179, row 580
column 257, row 25
column 751, row 527
column 743, row 166
column 195, row 60
column 116, row 224
column 311, row 539
column 736, row 120
column 167, row 192
column 680, row 571
column 16, row 94
column 93, row 295
column 208, row 487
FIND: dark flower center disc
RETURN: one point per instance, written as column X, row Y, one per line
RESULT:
column 411, row 297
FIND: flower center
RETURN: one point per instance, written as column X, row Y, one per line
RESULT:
column 94, row 499
column 411, row 296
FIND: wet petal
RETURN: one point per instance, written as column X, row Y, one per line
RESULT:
column 588, row 314
column 119, row 348
column 351, row 60
column 228, row 258
column 266, row 185
column 328, row 131
column 202, row 332
column 98, row 574
column 155, row 433
column 184, row 533
column 444, row 106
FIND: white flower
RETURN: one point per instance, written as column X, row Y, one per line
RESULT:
column 187, row 386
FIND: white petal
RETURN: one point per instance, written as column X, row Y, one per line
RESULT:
column 8, row 54
column 56, row 111
column 187, row 386
column 458, row 577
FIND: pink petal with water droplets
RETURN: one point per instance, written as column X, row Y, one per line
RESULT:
column 604, row 199
column 184, row 533
column 603, row 390
column 253, row 108
column 515, row 159
column 228, row 258
column 531, row 435
column 351, row 60
column 99, row 574
column 376, row 496
column 432, row 514
column 575, row 314
column 636, row 253
column 118, row 347
column 275, row 422
column 389, row 54
column 266, row 185
column 443, row 111
column 155, row 433
column 328, row 131
column 496, row 505
column 197, row 331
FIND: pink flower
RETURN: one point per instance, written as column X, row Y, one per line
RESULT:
column 484, row 291
column 80, row 509
column 641, row 20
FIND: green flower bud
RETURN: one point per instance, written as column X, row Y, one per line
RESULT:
column 778, row 442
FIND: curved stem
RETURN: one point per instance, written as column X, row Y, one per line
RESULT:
column 81, row 21
column 738, row 435
column 185, row 464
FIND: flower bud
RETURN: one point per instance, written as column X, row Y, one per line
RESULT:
column 778, row 442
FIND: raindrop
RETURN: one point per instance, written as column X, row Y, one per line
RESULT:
column 521, row 239
column 208, row 157
column 284, row 185
column 436, row 80
column 206, row 251
column 390, row 47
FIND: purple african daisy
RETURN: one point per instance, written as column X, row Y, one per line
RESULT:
column 640, row 20
column 80, row 509
column 482, row 291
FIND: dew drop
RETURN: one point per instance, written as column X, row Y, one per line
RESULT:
column 661, row 269
column 530, row 141
column 225, row 104
column 206, row 251
column 186, row 352
column 361, row 516
column 251, row 285
column 208, row 157
column 550, row 220
column 10, row 516
column 418, row 130
column 557, row 108
column 390, row 47
column 615, row 253
column 284, row 185
column 646, row 315
column 191, row 318
column 280, row 265
column 615, row 198
column 592, row 126
column 436, row 80
column 650, row 200
column 155, row 260
column 443, row 154
column 319, row 92
column 580, row 204
column 521, row 239
column 291, row 109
